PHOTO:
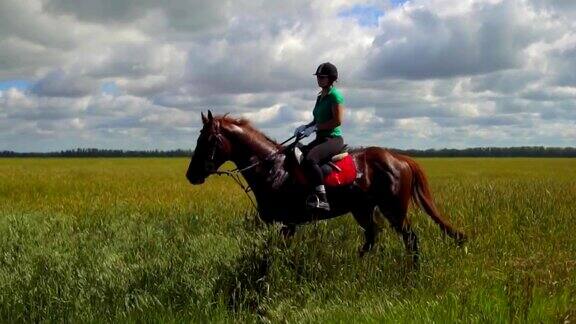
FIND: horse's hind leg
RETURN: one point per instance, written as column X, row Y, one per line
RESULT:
column 364, row 217
column 411, row 242
column 401, row 223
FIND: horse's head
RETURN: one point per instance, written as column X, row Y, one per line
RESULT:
column 212, row 150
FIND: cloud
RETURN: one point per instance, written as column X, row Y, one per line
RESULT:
column 422, row 73
column 176, row 14
column 559, row 8
column 133, row 60
column 423, row 42
column 58, row 83
column 19, row 58
column 30, row 40
column 277, row 116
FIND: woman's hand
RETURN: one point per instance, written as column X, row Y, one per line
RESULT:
column 305, row 130
column 308, row 131
column 299, row 130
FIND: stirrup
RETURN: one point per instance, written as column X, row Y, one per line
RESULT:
column 314, row 202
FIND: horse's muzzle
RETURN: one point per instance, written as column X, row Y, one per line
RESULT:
column 195, row 179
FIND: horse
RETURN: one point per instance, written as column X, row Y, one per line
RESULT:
column 388, row 181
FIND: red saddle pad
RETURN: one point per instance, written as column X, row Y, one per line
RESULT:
column 344, row 177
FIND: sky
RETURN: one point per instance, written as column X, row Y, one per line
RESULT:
column 128, row 74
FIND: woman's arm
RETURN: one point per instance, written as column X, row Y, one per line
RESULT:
column 337, row 115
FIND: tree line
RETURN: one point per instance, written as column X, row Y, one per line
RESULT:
column 522, row 151
column 94, row 152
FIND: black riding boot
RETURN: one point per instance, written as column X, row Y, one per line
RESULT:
column 318, row 200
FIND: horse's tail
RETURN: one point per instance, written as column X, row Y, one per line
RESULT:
column 421, row 194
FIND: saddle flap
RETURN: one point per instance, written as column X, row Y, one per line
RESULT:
column 343, row 173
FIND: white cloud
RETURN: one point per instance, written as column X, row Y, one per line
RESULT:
column 59, row 83
column 431, row 73
column 435, row 39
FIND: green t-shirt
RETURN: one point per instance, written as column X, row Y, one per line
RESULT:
column 323, row 111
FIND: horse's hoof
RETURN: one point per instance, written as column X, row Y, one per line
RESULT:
column 364, row 249
column 461, row 239
column 415, row 263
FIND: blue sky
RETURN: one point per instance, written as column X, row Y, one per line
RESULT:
column 366, row 15
column 110, row 88
column 18, row 84
column 423, row 74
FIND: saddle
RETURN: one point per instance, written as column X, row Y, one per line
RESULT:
column 338, row 170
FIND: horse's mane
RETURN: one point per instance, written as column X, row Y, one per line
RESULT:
column 247, row 127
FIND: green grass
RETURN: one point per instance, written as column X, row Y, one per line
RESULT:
column 131, row 240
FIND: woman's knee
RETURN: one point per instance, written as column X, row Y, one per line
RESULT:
column 309, row 163
column 311, row 158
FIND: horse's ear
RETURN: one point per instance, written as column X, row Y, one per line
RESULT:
column 210, row 115
column 204, row 119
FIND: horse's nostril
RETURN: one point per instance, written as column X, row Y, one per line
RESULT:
column 194, row 179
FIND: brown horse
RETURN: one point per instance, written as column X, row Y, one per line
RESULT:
column 389, row 181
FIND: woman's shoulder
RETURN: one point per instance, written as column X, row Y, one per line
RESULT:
column 336, row 95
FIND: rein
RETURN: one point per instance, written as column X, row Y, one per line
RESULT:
column 235, row 173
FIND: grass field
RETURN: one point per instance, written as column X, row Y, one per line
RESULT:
column 131, row 240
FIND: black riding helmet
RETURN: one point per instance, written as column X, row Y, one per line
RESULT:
column 328, row 69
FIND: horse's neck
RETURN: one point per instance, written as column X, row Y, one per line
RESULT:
column 248, row 151
column 245, row 149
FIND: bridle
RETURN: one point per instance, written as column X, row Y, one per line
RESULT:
column 211, row 164
column 235, row 173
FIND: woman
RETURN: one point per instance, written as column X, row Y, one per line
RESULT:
column 328, row 114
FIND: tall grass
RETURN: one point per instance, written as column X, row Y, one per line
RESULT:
column 131, row 240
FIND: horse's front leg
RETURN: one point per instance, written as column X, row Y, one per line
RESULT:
column 288, row 230
column 364, row 217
